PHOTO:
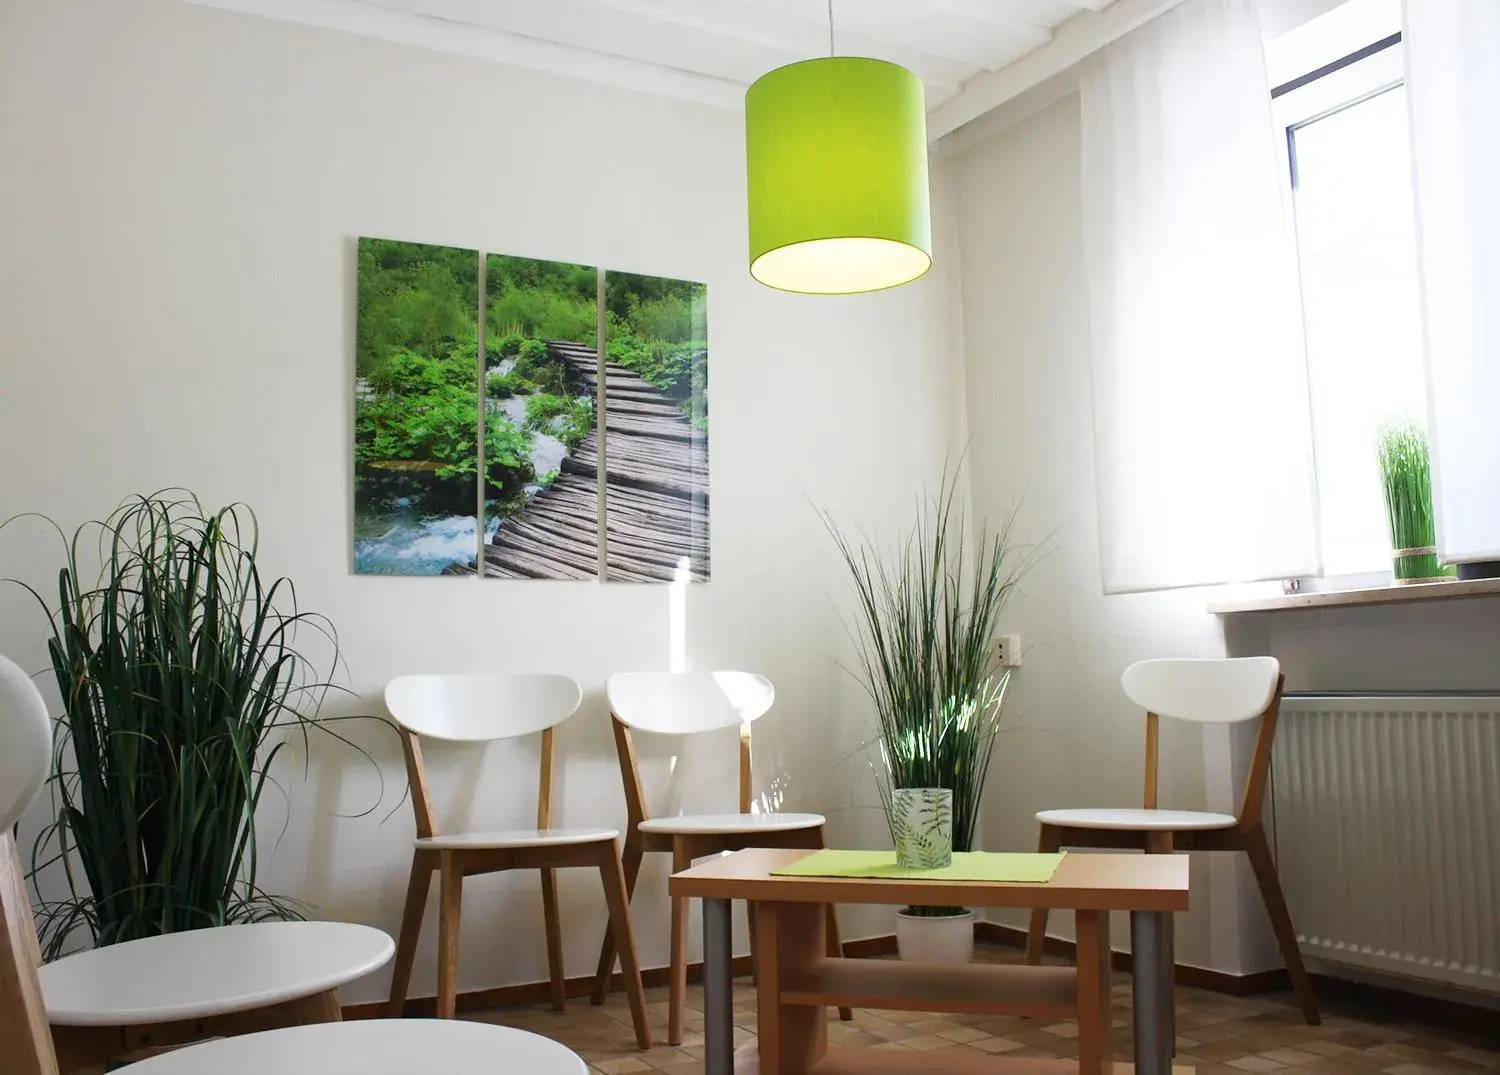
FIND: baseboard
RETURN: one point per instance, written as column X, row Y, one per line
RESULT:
column 1238, row 985
column 507, row 996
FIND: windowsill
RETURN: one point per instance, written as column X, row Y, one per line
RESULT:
column 1372, row 595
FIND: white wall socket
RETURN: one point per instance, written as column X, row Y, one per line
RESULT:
column 1008, row 651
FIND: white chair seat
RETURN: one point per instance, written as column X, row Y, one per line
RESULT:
column 479, row 841
column 694, row 824
column 373, row 1047
column 206, row 972
column 1136, row 820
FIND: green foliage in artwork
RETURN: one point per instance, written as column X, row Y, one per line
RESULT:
column 411, row 297
column 421, row 409
column 437, row 429
column 548, row 300
column 504, row 385
column 655, row 306
column 568, row 418
column 508, row 344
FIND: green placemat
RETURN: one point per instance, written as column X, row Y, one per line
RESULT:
column 1027, row 867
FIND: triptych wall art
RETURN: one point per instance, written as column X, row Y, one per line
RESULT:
column 493, row 458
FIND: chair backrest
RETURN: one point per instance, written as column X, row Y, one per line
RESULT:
column 682, row 703
column 472, row 708
column 1210, row 690
column 25, row 742
column 1206, row 690
column 25, row 758
column 475, row 708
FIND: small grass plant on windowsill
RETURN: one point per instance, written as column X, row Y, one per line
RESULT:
column 1406, row 475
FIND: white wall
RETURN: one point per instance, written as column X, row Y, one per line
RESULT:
column 179, row 196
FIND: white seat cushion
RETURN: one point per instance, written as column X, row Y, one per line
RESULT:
column 731, row 823
column 1136, row 820
column 473, row 841
column 206, row 972
column 373, row 1047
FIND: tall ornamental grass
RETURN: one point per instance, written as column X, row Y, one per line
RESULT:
column 928, row 611
column 1406, row 475
column 180, row 675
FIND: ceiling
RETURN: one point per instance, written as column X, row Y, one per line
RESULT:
column 706, row 49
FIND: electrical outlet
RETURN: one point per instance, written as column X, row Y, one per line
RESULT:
column 1008, row 651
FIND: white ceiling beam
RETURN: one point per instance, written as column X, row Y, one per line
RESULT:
column 408, row 28
column 1074, row 40
column 802, row 38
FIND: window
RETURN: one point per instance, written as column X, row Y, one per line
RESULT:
column 1348, row 168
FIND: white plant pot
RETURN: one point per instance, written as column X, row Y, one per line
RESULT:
column 935, row 940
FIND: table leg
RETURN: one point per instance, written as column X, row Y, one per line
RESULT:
column 1151, row 991
column 718, row 989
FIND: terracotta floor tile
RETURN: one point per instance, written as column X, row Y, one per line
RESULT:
column 1256, row 1064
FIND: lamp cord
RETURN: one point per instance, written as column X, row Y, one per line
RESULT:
column 830, row 28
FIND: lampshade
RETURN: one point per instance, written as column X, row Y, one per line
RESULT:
column 837, row 155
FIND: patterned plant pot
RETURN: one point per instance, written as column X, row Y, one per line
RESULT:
column 922, row 823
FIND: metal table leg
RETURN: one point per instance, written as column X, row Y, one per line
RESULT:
column 1151, row 988
column 718, row 989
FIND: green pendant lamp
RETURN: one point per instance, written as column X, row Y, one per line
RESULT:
column 836, row 150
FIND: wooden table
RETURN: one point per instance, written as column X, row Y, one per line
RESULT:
column 798, row 983
column 161, row 991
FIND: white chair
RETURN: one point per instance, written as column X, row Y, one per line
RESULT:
column 1203, row 691
column 477, row 708
column 374, row 1047
column 669, row 703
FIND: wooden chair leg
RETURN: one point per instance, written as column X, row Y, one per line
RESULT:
column 834, row 944
column 615, row 895
column 411, row 931
column 631, row 864
column 1048, row 840
column 559, row 985
column 23, row 1015
column 321, row 1007
column 1259, row 852
column 677, row 972
column 450, row 911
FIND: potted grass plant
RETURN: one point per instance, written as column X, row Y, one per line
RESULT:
column 180, row 676
column 1406, row 475
column 928, row 611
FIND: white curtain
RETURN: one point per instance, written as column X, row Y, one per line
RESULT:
column 1453, row 93
column 1201, row 428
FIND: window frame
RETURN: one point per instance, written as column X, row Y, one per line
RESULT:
column 1364, row 73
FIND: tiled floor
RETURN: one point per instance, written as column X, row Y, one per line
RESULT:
column 1218, row 1035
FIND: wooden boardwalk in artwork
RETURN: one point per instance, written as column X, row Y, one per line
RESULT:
column 656, row 468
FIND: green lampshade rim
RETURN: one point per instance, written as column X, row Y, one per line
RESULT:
column 821, row 238
column 823, row 59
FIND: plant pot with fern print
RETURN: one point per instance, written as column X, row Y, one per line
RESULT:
column 922, row 824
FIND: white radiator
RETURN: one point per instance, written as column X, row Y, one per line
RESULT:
column 1387, row 833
